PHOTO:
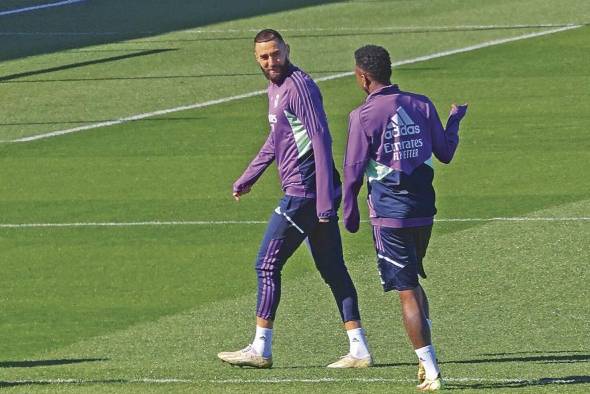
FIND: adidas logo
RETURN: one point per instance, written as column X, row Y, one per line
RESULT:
column 354, row 340
column 401, row 124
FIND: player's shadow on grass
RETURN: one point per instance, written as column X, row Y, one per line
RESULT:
column 388, row 365
column 542, row 358
column 544, row 352
column 317, row 366
column 323, row 366
column 47, row 363
column 566, row 380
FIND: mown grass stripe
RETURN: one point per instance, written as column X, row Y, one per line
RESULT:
column 435, row 55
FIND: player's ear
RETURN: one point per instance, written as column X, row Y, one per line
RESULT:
column 366, row 81
column 288, row 49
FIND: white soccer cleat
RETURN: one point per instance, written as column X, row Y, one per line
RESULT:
column 431, row 385
column 350, row 361
column 246, row 357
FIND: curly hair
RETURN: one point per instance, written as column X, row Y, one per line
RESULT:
column 375, row 61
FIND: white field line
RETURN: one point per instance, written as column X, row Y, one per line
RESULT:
column 280, row 381
column 39, row 7
column 132, row 224
column 260, row 92
column 515, row 219
column 155, row 223
column 392, row 29
column 140, row 116
column 461, row 50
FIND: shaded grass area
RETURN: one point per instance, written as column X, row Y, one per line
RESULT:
column 111, row 21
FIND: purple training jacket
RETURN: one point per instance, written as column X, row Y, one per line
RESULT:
column 300, row 142
column 391, row 139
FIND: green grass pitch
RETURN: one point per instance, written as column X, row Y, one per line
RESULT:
column 118, row 309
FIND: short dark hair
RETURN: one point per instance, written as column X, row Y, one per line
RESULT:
column 375, row 61
column 268, row 35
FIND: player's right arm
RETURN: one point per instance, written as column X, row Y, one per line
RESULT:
column 355, row 162
column 263, row 159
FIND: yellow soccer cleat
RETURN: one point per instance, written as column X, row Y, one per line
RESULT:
column 431, row 385
column 246, row 357
column 350, row 361
column 421, row 372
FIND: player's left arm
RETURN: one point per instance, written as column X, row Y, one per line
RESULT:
column 445, row 141
column 308, row 107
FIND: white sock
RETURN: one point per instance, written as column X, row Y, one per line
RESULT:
column 262, row 343
column 358, row 343
column 427, row 356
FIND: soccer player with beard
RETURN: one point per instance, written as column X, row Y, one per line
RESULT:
column 299, row 141
column 392, row 137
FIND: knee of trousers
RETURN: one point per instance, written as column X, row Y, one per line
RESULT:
column 268, row 268
column 269, row 259
column 339, row 278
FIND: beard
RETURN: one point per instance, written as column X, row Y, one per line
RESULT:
column 276, row 74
